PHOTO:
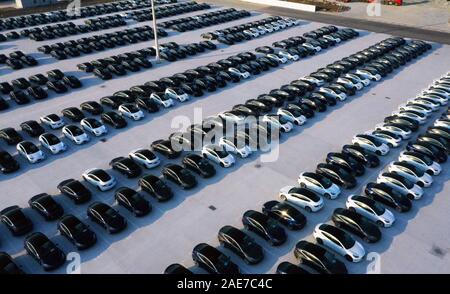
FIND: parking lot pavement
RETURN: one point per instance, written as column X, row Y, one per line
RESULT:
column 172, row 229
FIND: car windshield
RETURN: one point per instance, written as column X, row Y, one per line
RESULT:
column 5, row 156
column 221, row 153
column 102, row 175
column 53, row 117
column 52, row 140
column 76, row 131
column 148, row 154
column 132, row 108
column 31, row 148
column 314, row 197
column 160, row 184
column 326, row 183
column 378, row 208
column 94, row 123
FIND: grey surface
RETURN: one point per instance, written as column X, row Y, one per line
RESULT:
column 170, row 232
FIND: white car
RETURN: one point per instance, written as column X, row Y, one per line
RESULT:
column 370, row 143
column 30, row 151
column 387, row 137
column 216, row 154
column 357, row 79
column 277, row 58
column 339, row 241
column 371, row 209
column 442, row 123
column 99, row 178
column 368, row 75
column 411, row 172
column 340, row 96
column 75, row 134
column 415, row 107
column 319, row 184
column 262, row 30
column 311, row 47
column 145, row 157
column 401, row 184
column 439, row 92
column 232, row 117
column 231, row 145
column 251, row 33
column 404, row 133
column 293, row 115
column 285, row 54
column 256, row 31
column 53, row 121
column 275, row 26
column 93, row 126
column 281, row 23
column 278, row 122
column 162, row 99
column 442, row 101
column 351, row 83
column 316, row 81
column 329, row 37
column 268, row 28
column 302, row 197
column 421, row 161
column 434, row 106
column 237, row 72
column 52, row 143
column 420, row 119
column 131, row 111
column 177, row 94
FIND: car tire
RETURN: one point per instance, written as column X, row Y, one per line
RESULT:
column 352, row 209
column 308, row 209
column 319, row 241
column 283, row 197
column 221, row 164
column 302, row 185
column 348, row 258
column 399, row 209
column 380, row 223
column 327, row 195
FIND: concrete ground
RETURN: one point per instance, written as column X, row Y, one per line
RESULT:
column 417, row 243
column 432, row 15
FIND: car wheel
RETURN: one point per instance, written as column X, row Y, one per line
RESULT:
column 283, row 197
column 327, row 195
column 222, row 165
column 380, row 223
column 320, row 241
column 352, row 209
column 349, row 258
column 302, row 185
column 308, row 209
column 378, row 152
column 399, row 209
column 366, row 239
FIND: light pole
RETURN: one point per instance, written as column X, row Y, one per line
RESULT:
column 155, row 32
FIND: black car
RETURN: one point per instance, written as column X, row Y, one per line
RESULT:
column 7, row 163
column 177, row 269
column 165, row 148
column 75, row 190
column 107, row 217
column 8, row 266
column 16, row 221
column 212, row 260
column 73, row 113
column 57, row 86
column 155, row 187
column 403, row 121
column 3, row 104
column 21, row 83
column 319, row 258
column 357, row 224
column 199, row 165
column 147, row 104
column 41, row 248
column 102, row 73
column 437, row 154
column 112, row 101
column 32, row 128
column 5, row 88
column 126, row 166
column 241, row 244
column 72, row 82
column 364, row 156
column 389, row 196
column 336, row 173
column 19, row 97
column 133, row 201
column 93, row 107
column 37, row 92
column 348, row 162
column 285, row 213
column 10, row 136
column 113, row 119
column 77, row 232
column 287, row 268
column 179, row 175
column 46, row 206
column 264, row 226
